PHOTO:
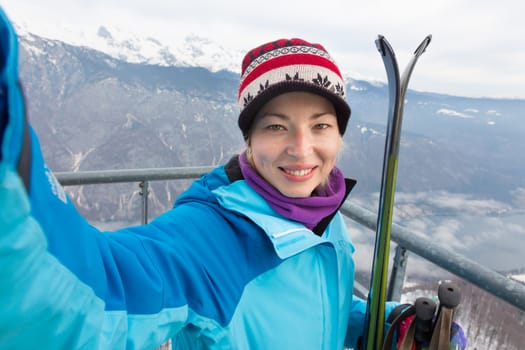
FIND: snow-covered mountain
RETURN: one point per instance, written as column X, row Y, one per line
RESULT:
column 140, row 103
column 94, row 111
column 190, row 50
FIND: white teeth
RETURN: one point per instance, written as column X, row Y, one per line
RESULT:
column 302, row 172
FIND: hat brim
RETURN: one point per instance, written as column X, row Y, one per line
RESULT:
column 247, row 115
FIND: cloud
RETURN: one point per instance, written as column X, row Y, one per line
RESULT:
column 473, row 51
column 519, row 197
column 442, row 203
column 488, row 231
column 451, row 113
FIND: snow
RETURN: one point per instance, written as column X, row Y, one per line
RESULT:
column 357, row 88
column 36, row 51
column 494, row 112
column 468, row 114
column 452, row 113
column 78, row 158
column 364, row 130
column 190, row 50
column 519, row 278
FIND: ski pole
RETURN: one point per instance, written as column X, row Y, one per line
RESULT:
column 395, row 321
column 375, row 314
column 449, row 297
column 425, row 311
column 420, row 327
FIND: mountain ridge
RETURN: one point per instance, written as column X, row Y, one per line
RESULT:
column 448, row 142
column 459, row 157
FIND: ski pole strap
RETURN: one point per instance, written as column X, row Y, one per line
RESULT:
column 414, row 327
column 398, row 315
column 408, row 340
column 441, row 336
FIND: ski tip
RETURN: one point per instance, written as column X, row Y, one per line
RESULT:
column 380, row 44
column 383, row 46
column 423, row 46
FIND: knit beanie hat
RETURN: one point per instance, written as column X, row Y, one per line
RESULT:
column 289, row 65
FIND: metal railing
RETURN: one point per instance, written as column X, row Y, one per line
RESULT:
column 486, row 279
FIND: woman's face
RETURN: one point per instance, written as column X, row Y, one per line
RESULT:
column 295, row 141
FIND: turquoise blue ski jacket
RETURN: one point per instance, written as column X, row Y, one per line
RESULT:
column 221, row 270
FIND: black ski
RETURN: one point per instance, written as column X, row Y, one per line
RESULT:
column 397, row 86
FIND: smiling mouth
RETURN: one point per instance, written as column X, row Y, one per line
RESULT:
column 301, row 172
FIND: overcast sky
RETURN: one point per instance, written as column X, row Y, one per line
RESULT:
column 478, row 47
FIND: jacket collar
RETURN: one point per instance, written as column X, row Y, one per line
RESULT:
column 288, row 237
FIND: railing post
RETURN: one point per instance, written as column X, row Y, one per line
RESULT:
column 144, row 185
column 397, row 277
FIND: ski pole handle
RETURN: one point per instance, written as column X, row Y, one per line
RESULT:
column 449, row 298
column 425, row 311
column 449, row 295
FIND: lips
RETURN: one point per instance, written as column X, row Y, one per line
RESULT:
column 300, row 172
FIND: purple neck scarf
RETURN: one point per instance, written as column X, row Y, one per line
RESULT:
column 308, row 211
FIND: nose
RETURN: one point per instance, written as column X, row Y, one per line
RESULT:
column 300, row 144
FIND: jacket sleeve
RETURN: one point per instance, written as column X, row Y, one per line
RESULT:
column 43, row 304
column 65, row 284
column 357, row 320
column 83, row 288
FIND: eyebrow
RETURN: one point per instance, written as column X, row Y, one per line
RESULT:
column 285, row 117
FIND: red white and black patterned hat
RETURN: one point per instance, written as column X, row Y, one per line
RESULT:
column 289, row 65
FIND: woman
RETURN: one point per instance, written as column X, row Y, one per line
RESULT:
column 254, row 255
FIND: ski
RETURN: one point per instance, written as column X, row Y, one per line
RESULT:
column 397, row 86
